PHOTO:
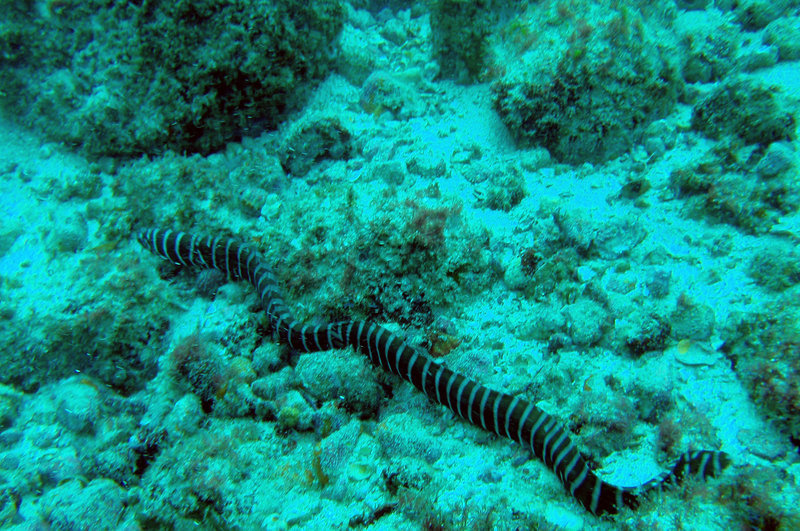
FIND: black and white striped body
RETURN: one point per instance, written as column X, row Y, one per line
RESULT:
column 503, row 414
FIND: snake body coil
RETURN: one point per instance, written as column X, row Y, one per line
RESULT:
column 503, row 414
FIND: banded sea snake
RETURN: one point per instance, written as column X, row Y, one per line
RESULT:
column 501, row 413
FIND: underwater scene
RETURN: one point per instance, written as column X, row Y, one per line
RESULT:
column 400, row 265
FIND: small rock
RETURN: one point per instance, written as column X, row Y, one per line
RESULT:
column 542, row 322
column 586, row 321
column 9, row 234
column 405, row 436
column 383, row 91
column 658, row 283
column 294, row 412
column 514, row 276
column 647, row 333
column 534, row 159
column 655, row 146
column 336, row 376
column 311, row 140
column 779, row 159
column 692, row 321
column 78, row 405
column 391, row 172
column 427, row 165
column 394, row 32
column 761, row 445
column 664, row 130
column 10, row 436
column 98, row 505
column 70, row 237
column 267, row 358
column 10, row 400
column 360, row 471
column 209, row 281
column 361, row 18
column 274, row 522
column 692, row 5
column 337, row 448
column 186, row 415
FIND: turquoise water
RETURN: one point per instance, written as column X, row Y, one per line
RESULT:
column 591, row 206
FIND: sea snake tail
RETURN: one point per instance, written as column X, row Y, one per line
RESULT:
column 501, row 413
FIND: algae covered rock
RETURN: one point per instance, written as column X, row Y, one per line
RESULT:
column 744, row 108
column 311, row 140
column 186, row 76
column 588, row 92
column 460, row 29
column 784, row 34
column 711, row 45
column 762, row 347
